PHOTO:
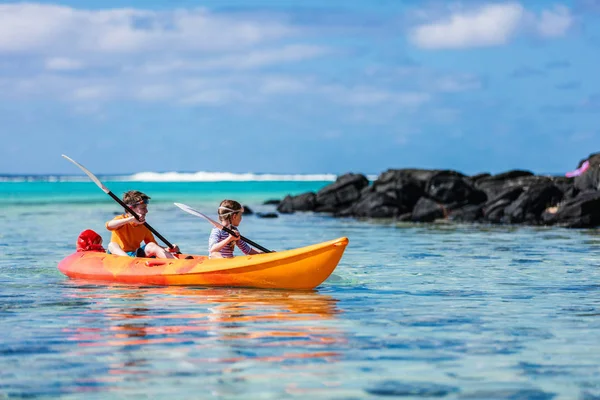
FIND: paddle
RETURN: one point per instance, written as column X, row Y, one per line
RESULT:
column 197, row 213
column 118, row 200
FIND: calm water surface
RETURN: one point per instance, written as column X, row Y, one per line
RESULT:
column 412, row 311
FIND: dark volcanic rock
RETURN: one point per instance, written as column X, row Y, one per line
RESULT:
column 303, row 202
column 493, row 210
column 453, row 187
column 468, row 213
column 272, row 202
column 513, row 197
column 394, row 193
column 341, row 194
column 582, row 211
column 475, row 178
column 532, row 202
column 405, row 186
column 247, row 210
column 427, row 210
column 566, row 186
column 375, row 205
column 332, row 198
column 267, row 215
column 493, row 185
column 590, row 179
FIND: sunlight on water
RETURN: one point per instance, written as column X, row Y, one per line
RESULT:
column 412, row 311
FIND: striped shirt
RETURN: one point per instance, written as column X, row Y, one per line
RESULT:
column 218, row 235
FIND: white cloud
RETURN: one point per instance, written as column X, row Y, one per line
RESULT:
column 423, row 78
column 373, row 96
column 283, row 85
column 212, row 97
column 28, row 27
column 91, row 93
column 263, row 58
column 185, row 56
column 251, row 59
column 63, row 64
column 582, row 136
column 404, row 133
column 332, row 134
column 41, row 28
column 192, row 56
column 153, row 92
column 489, row 25
column 445, row 115
column 553, row 23
column 458, row 83
column 179, row 57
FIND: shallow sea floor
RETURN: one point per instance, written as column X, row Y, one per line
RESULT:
column 412, row 311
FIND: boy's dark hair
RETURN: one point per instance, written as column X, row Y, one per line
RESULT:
column 134, row 197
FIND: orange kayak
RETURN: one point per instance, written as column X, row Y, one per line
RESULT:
column 302, row 268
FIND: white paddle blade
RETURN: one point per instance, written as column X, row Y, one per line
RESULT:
column 197, row 213
column 88, row 173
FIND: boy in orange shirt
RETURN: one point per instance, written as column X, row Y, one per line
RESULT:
column 128, row 233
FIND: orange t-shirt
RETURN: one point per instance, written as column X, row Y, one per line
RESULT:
column 130, row 236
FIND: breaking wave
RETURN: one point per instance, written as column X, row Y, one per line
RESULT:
column 174, row 177
column 225, row 176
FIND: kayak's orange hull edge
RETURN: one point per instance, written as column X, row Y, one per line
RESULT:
column 302, row 268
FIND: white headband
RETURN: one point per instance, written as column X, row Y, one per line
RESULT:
column 230, row 211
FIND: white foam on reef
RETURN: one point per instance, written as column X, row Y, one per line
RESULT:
column 180, row 177
column 43, row 178
column 225, row 176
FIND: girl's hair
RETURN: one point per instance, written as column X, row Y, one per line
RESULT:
column 134, row 197
column 227, row 209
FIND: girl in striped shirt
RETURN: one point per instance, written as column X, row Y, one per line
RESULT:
column 221, row 243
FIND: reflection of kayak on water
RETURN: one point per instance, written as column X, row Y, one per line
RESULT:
column 239, row 305
column 268, row 321
column 302, row 268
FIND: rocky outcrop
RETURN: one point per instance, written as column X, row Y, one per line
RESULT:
column 420, row 195
column 590, row 179
column 341, row 194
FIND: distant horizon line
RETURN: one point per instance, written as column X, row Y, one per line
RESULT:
column 172, row 177
column 204, row 176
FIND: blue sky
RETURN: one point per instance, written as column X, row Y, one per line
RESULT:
column 298, row 86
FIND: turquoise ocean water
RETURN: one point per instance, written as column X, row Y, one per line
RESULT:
column 412, row 311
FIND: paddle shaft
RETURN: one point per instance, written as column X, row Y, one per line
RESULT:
column 118, row 200
column 250, row 242
column 218, row 225
column 147, row 225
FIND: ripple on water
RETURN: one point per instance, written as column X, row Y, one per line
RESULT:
column 509, row 394
column 527, row 332
column 546, row 370
column 479, row 312
column 417, row 389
